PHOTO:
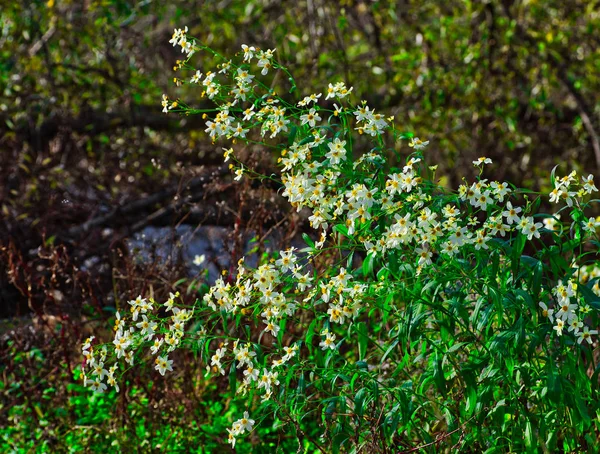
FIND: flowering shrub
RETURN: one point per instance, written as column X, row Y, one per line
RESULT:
column 420, row 317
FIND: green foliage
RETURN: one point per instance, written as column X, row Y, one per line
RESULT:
column 71, row 418
column 436, row 328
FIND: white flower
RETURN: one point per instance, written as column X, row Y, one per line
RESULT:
column 559, row 326
column 251, row 374
column 99, row 370
column 97, row 386
column 239, row 131
column 119, row 322
column 231, row 438
column 500, row 190
column 199, row 259
column 157, row 343
column 146, row 326
column 243, row 77
column 248, row 52
column 272, row 328
column 547, row 312
column 529, row 228
column 328, row 342
column 551, row 223
column 113, row 382
column 246, row 422
column 591, row 225
column 287, row 260
column 567, row 311
column 196, row 77
column 311, row 118
column 574, row 325
column 129, row 357
column 588, row 184
column 512, row 213
column 363, row 114
column 308, row 99
column 165, row 103
column 163, row 364
column 239, row 173
column 337, row 151
column 424, row 255
column 417, row 143
column 482, row 160
column 264, row 61
column 137, row 305
column 169, row 303
column 586, row 334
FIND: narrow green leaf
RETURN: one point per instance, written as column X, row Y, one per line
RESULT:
column 359, row 401
column 517, row 249
column 589, row 296
column 529, row 436
column 308, row 240
column 292, row 135
column 438, row 374
column 367, row 266
column 389, row 350
column 583, row 411
column 301, row 384
column 349, row 260
column 232, row 377
column 363, row 339
column 341, row 228
column 310, row 332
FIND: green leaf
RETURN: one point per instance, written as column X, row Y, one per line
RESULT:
column 438, row 375
column 349, row 260
column 292, row 135
column 359, row 400
column 495, row 264
column 49, row 241
column 471, row 401
column 395, row 419
column 517, row 249
column 367, row 266
column 308, row 240
column 363, row 339
column 338, row 441
column 552, row 175
column 362, row 365
column 529, row 437
column 301, row 384
column 341, row 228
column 232, row 378
column 589, row 296
column 536, row 281
column 536, row 205
column 583, row 411
column 310, row 332
column 389, row 350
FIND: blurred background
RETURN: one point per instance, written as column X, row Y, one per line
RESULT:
column 103, row 197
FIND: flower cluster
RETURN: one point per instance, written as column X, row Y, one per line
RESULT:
column 180, row 38
column 568, row 312
column 564, row 188
column 313, row 175
column 382, row 209
column 239, row 427
column 162, row 335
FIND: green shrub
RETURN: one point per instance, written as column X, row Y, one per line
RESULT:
column 418, row 318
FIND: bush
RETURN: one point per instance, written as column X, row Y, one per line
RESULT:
column 418, row 317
